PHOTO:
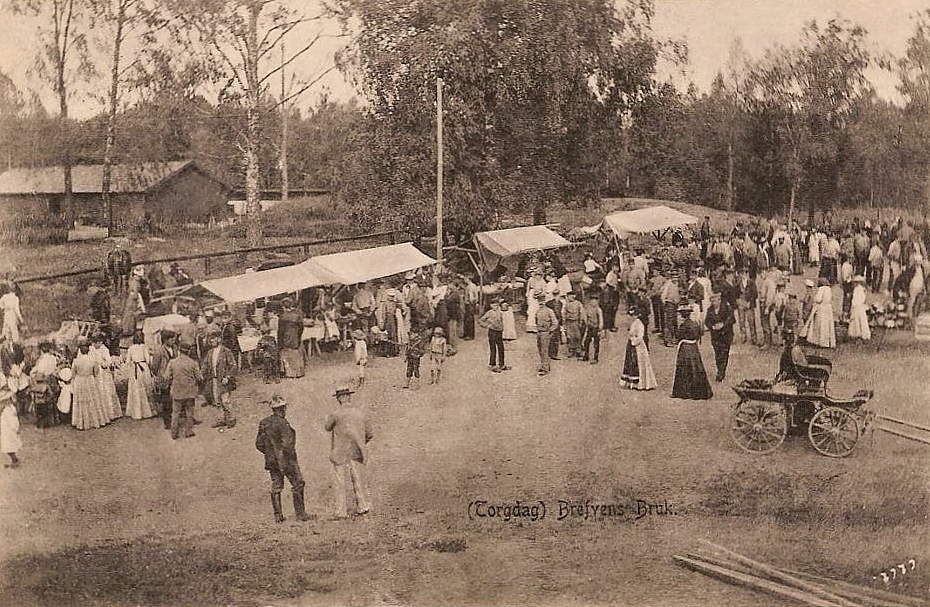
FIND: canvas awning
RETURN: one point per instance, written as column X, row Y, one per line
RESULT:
column 495, row 245
column 645, row 221
column 253, row 285
column 354, row 267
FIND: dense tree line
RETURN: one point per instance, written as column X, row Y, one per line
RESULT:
column 544, row 102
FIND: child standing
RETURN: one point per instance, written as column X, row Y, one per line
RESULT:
column 510, row 323
column 413, row 354
column 10, row 442
column 437, row 354
column 361, row 355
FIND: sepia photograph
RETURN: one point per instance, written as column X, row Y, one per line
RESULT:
column 366, row 303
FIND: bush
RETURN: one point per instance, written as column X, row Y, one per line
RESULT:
column 296, row 218
column 32, row 227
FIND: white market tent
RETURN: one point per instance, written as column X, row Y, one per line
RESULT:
column 354, row 267
column 349, row 268
column 495, row 245
column 645, row 221
column 253, row 285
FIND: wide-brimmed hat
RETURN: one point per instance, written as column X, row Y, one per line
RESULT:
column 392, row 292
column 277, row 401
column 685, row 308
column 439, row 331
column 343, row 391
column 809, row 283
column 858, row 278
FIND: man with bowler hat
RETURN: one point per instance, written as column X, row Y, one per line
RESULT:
column 276, row 441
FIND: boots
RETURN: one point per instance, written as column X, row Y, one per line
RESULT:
column 276, row 505
column 299, row 510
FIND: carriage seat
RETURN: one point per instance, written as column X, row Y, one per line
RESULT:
column 811, row 373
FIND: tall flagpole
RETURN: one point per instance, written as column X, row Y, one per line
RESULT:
column 439, row 169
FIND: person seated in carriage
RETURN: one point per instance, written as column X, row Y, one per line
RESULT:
column 808, row 373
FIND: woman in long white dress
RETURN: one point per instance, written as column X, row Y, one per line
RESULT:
column 12, row 315
column 858, row 318
column 87, row 408
column 105, row 377
column 820, row 328
column 138, row 405
column 813, row 248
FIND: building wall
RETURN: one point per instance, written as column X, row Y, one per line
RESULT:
column 189, row 196
column 89, row 208
column 26, row 202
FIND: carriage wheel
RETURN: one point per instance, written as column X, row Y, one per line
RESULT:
column 834, row 432
column 759, row 427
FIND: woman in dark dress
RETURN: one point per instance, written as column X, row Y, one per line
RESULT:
column 690, row 379
column 290, row 330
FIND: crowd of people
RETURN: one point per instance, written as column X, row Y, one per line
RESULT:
column 723, row 286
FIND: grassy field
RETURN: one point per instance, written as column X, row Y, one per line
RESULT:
column 123, row 516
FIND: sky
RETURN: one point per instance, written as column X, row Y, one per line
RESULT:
column 708, row 27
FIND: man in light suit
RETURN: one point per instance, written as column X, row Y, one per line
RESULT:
column 350, row 433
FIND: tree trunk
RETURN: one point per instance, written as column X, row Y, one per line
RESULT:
column 285, row 185
column 729, row 202
column 111, row 122
column 65, row 134
column 253, row 205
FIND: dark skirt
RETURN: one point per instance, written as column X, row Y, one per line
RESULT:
column 690, row 377
column 630, row 373
column 292, row 359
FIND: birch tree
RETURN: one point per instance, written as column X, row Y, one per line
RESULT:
column 242, row 35
column 124, row 20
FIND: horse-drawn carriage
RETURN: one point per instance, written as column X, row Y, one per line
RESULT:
column 797, row 402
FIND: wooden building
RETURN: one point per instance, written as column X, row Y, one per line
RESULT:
column 176, row 191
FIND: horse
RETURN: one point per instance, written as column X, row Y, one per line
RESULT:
column 118, row 267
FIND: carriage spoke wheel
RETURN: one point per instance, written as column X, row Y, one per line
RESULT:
column 759, row 427
column 834, row 432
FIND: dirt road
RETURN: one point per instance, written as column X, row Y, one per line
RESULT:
column 126, row 516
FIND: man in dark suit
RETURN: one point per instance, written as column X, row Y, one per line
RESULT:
column 276, row 441
column 719, row 320
column 219, row 374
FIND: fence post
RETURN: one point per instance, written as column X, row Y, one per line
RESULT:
column 206, row 266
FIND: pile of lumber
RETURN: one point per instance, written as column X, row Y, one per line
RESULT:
column 798, row 587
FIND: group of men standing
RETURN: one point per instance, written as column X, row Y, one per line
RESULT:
column 179, row 379
column 350, row 432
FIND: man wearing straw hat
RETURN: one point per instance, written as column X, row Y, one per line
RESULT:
column 350, row 433
column 276, row 440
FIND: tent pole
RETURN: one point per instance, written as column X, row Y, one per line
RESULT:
column 480, row 281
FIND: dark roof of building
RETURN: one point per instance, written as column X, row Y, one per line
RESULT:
column 88, row 178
